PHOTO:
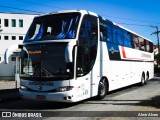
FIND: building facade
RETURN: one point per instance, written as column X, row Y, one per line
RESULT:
column 13, row 27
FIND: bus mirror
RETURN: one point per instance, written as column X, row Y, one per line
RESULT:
column 69, row 52
column 12, row 49
column 68, row 55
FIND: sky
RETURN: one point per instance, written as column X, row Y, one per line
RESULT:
column 136, row 15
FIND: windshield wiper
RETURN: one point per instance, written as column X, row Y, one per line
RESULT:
column 26, row 75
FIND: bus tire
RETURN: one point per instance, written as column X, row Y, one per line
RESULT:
column 147, row 78
column 102, row 89
column 143, row 81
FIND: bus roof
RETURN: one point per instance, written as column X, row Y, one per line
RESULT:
column 70, row 11
column 94, row 14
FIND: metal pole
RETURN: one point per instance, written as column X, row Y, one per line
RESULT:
column 157, row 32
column 157, row 38
column 16, row 72
column 17, row 79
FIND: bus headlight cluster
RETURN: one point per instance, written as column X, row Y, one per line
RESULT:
column 63, row 89
column 23, row 88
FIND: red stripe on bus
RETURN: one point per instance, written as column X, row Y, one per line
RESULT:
column 127, row 58
column 146, row 60
column 123, row 52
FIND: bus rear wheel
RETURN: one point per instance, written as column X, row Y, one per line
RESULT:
column 102, row 89
column 143, row 81
column 147, row 78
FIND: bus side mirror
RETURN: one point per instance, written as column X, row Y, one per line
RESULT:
column 69, row 52
column 9, row 51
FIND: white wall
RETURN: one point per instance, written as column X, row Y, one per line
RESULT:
column 8, row 69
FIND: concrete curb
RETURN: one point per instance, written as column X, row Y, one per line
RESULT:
column 9, row 94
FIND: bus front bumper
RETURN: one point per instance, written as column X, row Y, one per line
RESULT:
column 67, row 96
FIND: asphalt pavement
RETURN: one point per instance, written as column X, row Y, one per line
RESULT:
column 8, row 90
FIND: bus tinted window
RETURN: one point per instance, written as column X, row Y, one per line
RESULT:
column 136, row 41
column 141, row 44
column 128, row 39
column 109, row 33
column 147, row 46
column 150, row 47
column 115, row 35
column 87, row 48
column 103, row 33
column 106, row 31
column 122, row 37
column 119, row 36
column 54, row 26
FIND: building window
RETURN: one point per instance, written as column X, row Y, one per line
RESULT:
column 20, row 37
column 0, row 37
column 20, row 23
column 13, row 58
column 13, row 23
column 6, row 37
column 0, row 58
column 6, row 22
column 13, row 37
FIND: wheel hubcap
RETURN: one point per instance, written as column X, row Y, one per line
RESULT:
column 143, row 81
column 101, row 88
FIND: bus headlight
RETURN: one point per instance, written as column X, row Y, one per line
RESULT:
column 23, row 88
column 63, row 89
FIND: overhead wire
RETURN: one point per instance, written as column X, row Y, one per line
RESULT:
column 132, row 19
column 17, row 16
column 39, row 12
column 51, row 6
column 21, row 9
column 134, row 24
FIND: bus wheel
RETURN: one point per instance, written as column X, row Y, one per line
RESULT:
column 143, row 80
column 102, row 89
column 147, row 78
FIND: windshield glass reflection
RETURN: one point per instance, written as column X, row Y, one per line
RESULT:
column 53, row 27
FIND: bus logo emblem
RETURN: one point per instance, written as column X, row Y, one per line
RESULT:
column 112, row 50
column 40, row 88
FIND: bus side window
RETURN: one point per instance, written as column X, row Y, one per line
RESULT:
column 87, row 47
column 135, row 41
column 115, row 35
column 85, row 29
column 147, row 46
column 103, row 33
column 150, row 47
column 128, row 39
column 109, row 33
column 141, row 44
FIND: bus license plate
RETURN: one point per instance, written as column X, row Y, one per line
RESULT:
column 40, row 97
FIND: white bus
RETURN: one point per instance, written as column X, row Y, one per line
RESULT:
column 72, row 55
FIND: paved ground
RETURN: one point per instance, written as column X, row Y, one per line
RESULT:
column 132, row 100
column 4, row 84
column 8, row 90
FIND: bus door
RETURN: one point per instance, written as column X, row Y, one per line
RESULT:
column 86, row 55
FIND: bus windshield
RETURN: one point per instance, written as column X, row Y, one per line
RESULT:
column 53, row 27
column 46, row 61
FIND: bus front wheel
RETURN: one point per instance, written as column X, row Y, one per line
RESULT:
column 102, row 89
